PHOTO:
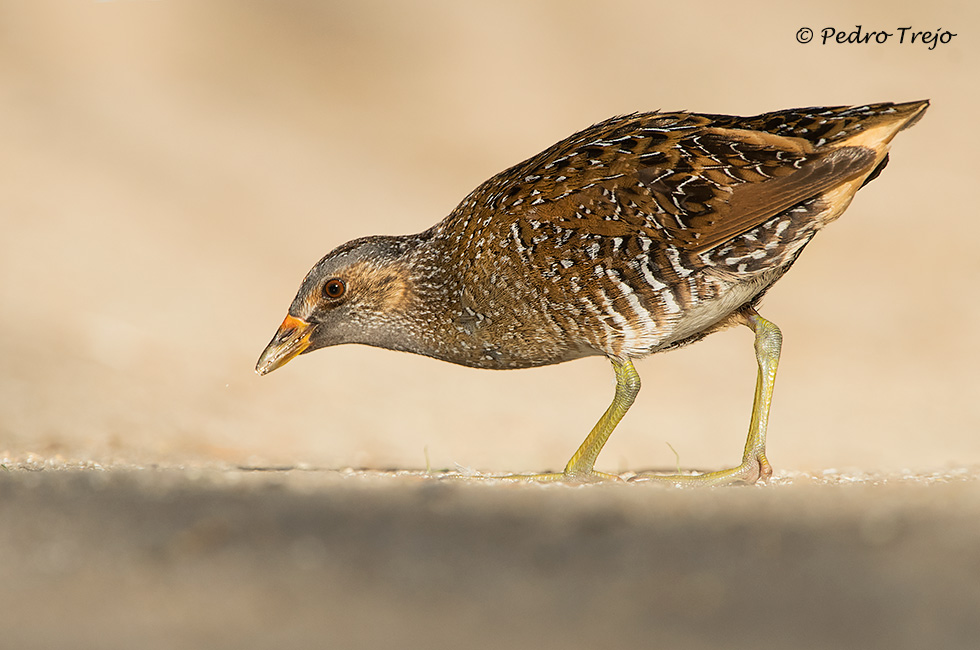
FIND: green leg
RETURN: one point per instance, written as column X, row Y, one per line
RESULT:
column 755, row 466
column 580, row 466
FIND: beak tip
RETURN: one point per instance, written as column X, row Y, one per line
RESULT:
column 293, row 338
column 271, row 359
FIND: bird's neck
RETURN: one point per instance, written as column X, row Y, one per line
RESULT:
column 427, row 323
column 409, row 293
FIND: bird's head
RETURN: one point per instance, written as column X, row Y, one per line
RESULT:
column 356, row 294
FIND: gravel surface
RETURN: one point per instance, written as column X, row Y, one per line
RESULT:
column 125, row 557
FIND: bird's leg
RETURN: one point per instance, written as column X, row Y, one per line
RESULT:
column 755, row 466
column 580, row 466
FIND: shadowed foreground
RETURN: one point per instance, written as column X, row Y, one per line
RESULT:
column 230, row 558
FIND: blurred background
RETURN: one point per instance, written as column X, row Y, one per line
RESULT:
column 171, row 169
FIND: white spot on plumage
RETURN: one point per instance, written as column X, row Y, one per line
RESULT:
column 670, row 302
column 674, row 256
column 648, row 276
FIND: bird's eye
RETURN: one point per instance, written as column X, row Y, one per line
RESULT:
column 334, row 288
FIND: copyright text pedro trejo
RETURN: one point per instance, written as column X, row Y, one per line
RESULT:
column 900, row 35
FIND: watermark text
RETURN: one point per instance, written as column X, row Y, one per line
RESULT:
column 930, row 39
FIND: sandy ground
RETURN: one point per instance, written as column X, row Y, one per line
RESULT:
column 169, row 171
column 221, row 558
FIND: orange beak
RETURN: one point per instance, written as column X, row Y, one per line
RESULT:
column 292, row 338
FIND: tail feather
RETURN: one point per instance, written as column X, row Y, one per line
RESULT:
column 877, row 170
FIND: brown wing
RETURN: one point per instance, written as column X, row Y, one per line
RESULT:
column 694, row 181
column 748, row 205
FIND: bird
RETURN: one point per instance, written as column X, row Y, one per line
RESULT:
column 641, row 234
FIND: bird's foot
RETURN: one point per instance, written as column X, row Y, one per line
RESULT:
column 570, row 478
column 752, row 469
